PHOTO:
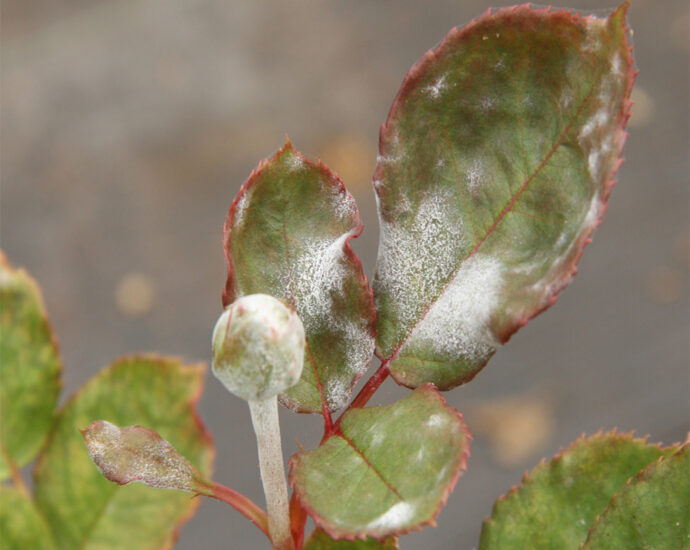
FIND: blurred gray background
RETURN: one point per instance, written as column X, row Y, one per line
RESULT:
column 129, row 125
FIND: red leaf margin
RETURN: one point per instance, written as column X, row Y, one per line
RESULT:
column 230, row 292
column 161, row 362
column 418, row 71
column 337, row 534
column 599, row 434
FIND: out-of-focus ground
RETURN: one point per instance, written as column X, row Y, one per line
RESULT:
column 128, row 127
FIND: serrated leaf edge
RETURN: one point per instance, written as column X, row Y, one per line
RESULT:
column 568, row 267
column 6, row 264
column 230, row 293
column 600, row 434
column 639, row 477
column 336, row 534
column 161, row 362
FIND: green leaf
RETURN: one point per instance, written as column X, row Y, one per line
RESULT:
column 650, row 511
column 558, row 501
column 495, row 166
column 287, row 235
column 86, row 511
column 387, row 471
column 21, row 526
column 126, row 455
column 319, row 540
column 29, row 369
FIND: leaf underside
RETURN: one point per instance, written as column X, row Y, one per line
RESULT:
column 29, row 369
column 319, row 540
column 387, row 471
column 495, row 166
column 21, row 525
column 558, row 501
column 83, row 509
column 287, row 234
column 651, row 511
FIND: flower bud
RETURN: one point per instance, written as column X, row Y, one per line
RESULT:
column 258, row 347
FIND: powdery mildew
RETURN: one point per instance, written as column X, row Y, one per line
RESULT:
column 474, row 177
column 132, row 454
column 343, row 204
column 337, row 393
column 240, row 208
column 457, row 324
column 318, row 274
column 595, row 137
column 397, row 516
column 417, row 258
column 434, row 90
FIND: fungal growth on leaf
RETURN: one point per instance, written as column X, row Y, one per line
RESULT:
column 125, row 455
column 495, row 166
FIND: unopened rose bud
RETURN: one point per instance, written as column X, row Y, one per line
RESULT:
column 258, row 347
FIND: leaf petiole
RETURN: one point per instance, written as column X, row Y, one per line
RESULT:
column 239, row 502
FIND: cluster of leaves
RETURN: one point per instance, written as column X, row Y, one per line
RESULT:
column 495, row 166
column 72, row 505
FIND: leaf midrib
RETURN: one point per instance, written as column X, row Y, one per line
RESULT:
column 325, row 410
column 506, row 210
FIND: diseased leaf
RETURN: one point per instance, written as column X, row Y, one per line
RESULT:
column 85, row 510
column 21, row 526
column 125, row 455
column 495, row 166
column 287, row 235
column 29, row 368
column 319, row 540
column 558, row 501
column 650, row 511
column 387, row 471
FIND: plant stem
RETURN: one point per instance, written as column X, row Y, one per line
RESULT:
column 238, row 501
column 266, row 425
column 369, row 388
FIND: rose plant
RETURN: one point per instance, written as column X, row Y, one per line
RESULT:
column 495, row 166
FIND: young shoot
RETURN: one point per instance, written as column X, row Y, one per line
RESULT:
column 258, row 352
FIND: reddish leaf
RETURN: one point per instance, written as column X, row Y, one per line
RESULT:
column 495, row 166
column 387, row 470
column 125, row 455
column 287, row 235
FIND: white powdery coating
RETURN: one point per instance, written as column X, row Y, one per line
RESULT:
column 318, row 271
column 397, row 516
column 597, row 134
column 457, row 324
column 132, row 454
column 295, row 162
column 258, row 347
column 617, row 64
column 319, row 274
column 435, row 421
column 487, row 103
column 421, row 252
column 337, row 393
column 343, row 204
column 593, row 40
column 474, row 177
column 435, row 89
column 594, row 214
column 550, row 283
column 241, row 207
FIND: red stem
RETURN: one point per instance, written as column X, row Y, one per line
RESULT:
column 366, row 392
column 239, row 502
column 298, row 520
